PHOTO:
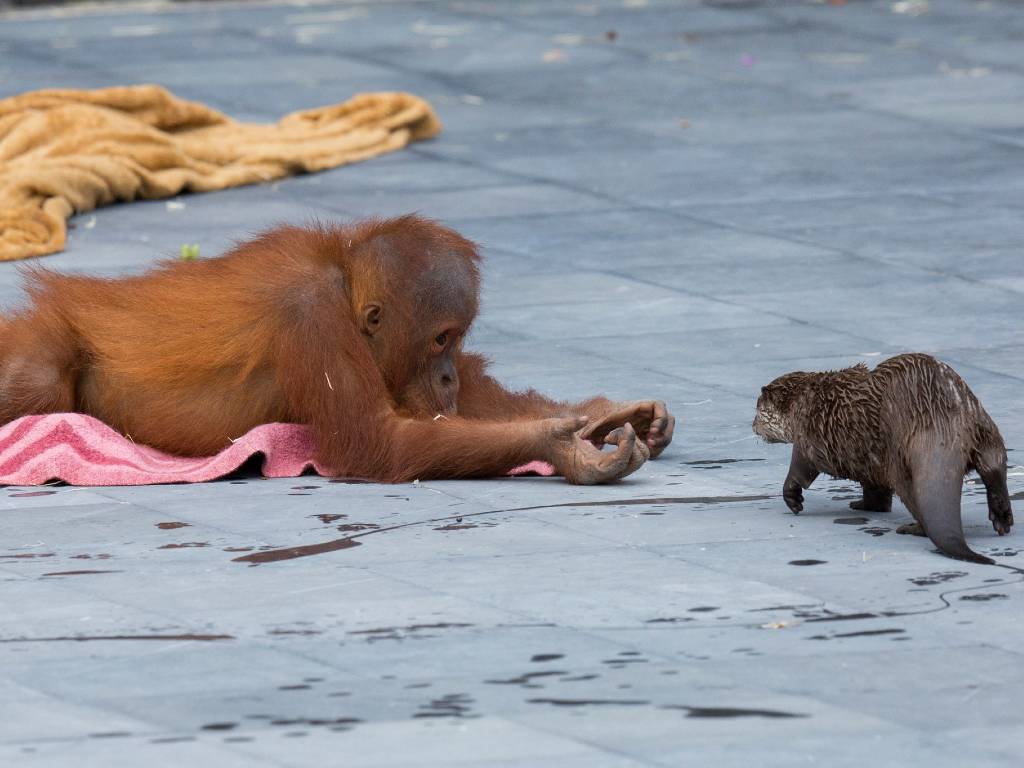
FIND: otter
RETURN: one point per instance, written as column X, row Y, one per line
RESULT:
column 911, row 427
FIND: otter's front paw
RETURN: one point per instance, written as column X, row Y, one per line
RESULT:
column 794, row 497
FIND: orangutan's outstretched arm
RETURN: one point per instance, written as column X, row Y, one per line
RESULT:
column 482, row 397
column 456, row 447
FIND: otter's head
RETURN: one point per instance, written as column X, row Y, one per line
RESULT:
column 774, row 419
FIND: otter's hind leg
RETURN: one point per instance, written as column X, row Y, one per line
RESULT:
column 874, row 500
column 991, row 467
column 933, row 495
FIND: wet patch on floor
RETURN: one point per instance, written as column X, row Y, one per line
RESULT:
column 331, row 723
column 327, row 519
column 526, row 680
column 94, row 638
column 830, row 616
column 1004, row 552
column 983, row 597
column 455, row 705
column 459, row 525
column 862, row 633
column 415, row 631
column 591, row 702
column 291, row 553
column 540, row 658
column 28, row 555
column 294, row 632
column 218, row 727
column 624, row 659
column 670, row 620
column 715, row 463
column 939, row 577
column 723, row 712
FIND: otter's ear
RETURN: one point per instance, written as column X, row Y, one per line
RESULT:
column 370, row 318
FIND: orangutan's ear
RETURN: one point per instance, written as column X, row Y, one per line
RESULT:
column 370, row 318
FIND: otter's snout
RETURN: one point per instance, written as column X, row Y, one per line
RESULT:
column 768, row 428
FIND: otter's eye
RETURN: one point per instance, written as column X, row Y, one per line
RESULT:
column 441, row 340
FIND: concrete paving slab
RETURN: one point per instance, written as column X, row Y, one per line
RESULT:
column 677, row 200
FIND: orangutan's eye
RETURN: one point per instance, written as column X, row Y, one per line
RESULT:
column 441, row 340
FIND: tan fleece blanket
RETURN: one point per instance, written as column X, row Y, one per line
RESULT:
column 68, row 151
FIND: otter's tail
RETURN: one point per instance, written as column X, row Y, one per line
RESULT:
column 937, row 472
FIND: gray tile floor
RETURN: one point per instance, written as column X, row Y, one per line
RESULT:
column 677, row 200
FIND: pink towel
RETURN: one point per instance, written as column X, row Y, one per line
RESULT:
column 81, row 450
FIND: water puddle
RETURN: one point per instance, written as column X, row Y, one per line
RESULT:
column 862, row 633
column 985, row 596
column 400, row 633
column 300, row 632
column 670, row 620
column 526, row 679
column 542, row 657
column 591, row 702
column 27, row 555
column 715, row 712
column 939, row 577
column 455, row 705
column 842, row 617
column 218, row 726
column 290, row 553
column 716, row 463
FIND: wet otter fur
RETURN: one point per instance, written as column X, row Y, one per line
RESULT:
column 910, row 426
